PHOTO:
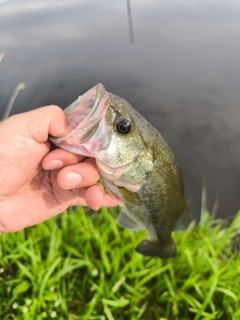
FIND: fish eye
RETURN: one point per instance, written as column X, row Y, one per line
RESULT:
column 123, row 126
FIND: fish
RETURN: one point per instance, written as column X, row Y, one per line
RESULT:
column 136, row 164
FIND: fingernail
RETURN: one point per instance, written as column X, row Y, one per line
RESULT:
column 53, row 164
column 72, row 180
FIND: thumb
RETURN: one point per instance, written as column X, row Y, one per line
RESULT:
column 45, row 121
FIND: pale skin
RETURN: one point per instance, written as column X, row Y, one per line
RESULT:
column 36, row 182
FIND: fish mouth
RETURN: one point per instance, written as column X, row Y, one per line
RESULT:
column 84, row 115
column 99, row 94
column 89, row 125
column 85, row 107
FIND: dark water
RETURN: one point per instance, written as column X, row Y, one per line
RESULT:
column 182, row 73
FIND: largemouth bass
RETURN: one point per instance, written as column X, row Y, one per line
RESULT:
column 135, row 163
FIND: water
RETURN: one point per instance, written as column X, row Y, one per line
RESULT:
column 180, row 69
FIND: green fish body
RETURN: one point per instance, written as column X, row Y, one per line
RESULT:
column 136, row 164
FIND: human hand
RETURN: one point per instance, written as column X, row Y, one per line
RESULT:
column 36, row 183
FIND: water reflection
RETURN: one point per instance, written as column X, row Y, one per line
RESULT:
column 182, row 73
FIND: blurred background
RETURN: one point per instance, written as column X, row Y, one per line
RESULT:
column 177, row 62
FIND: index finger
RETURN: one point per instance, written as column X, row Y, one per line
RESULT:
column 59, row 158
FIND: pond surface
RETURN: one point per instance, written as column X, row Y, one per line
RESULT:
column 180, row 68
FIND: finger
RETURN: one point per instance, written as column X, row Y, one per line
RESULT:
column 79, row 175
column 58, row 158
column 109, row 201
column 95, row 197
column 41, row 122
column 46, row 120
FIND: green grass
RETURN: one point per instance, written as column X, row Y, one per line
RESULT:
column 82, row 265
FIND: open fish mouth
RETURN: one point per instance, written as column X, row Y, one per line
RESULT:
column 100, row 93
column 85, row 106
column 83, row 116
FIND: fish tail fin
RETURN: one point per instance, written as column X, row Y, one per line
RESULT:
column 156, row 249
column 183, row 221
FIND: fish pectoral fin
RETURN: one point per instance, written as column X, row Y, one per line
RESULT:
column 127, row 222
column 183, row 221
column 130, row 196
column 156, row 249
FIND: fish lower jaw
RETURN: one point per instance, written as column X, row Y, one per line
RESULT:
column 110, row 173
